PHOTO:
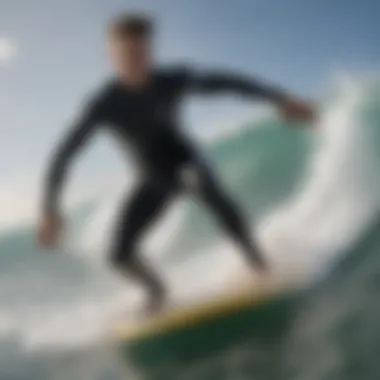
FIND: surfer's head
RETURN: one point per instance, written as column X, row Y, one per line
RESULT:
column 130, row 47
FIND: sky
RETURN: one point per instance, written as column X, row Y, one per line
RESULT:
column 52, row 54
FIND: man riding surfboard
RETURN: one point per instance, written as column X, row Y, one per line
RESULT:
column 140, row 106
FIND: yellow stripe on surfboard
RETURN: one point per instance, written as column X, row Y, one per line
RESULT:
column 194, row 314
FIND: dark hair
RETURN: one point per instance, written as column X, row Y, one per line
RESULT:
column 135, row 25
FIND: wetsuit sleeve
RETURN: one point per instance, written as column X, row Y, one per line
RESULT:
column 223, row 82
column 80, row 132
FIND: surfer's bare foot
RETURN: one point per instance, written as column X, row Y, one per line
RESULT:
column 155, row 303
column 259, row 264
column 263, row 273
column 261, row 270
column 256, row 259
column 150, row 280
column 263, row 267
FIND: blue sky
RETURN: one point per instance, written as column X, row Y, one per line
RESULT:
column 52, row 53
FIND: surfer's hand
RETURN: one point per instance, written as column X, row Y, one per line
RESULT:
column 293, row 110
column 49, row 231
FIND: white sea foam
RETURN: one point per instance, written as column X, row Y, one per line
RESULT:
column 338, row 198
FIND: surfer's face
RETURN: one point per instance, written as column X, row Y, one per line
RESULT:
column 131, row 57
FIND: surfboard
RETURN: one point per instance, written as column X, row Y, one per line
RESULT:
column 187, row 332
column 192, row 328
column 184, row 314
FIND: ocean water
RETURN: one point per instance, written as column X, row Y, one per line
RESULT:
column 313, row 198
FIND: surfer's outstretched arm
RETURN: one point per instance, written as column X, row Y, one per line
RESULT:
column 221, row 82
column 50, row 227
column 215, row 82
column 78, row 135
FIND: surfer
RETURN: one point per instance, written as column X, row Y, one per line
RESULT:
column 140, row 106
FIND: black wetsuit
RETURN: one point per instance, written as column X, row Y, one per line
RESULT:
column 147, row 120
